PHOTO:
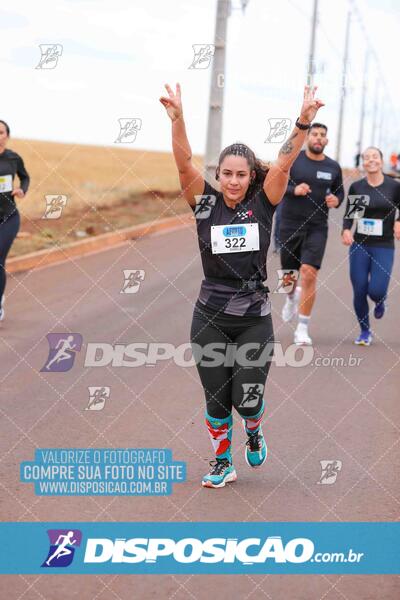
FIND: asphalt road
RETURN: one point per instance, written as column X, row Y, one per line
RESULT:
column 319, row 412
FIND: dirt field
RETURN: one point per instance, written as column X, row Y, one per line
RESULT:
column 37, row 234
column 107, row 188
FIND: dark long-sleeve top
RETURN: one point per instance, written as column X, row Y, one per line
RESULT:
column 11, row 164
column 378, row 202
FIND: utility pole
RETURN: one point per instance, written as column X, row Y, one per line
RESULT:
column 380, row 128
column 385, row 148
column 363, row 97
column 311, row 66
column 215, row 111
column 375, row 114
column 343, row 87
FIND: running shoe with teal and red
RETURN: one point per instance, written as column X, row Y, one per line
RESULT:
column 222, row 472
column 256, row 449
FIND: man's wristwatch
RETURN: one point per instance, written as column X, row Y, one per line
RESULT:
column 302, row 125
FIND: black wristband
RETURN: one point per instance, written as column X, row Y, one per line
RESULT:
column 301, row 125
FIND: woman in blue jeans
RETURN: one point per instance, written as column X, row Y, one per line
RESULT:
column 373, row 204
column 11, row 164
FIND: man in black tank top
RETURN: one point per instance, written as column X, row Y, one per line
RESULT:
column 232, row 314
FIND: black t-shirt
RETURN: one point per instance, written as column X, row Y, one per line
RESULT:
column 212, row 211
column 11, row 164
column 383, row 202
column 323, row 177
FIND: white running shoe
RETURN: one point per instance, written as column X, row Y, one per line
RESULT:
column 301, row 337
column 291, row 306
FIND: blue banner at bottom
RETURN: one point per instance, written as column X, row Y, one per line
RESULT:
column 199, row 548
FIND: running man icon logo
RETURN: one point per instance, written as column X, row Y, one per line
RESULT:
column 62, row 547
column 204, row 204
column 357, row 205
column 63, row 347
column 54, row 206
column 252, row 394
column 287, row 279
column 128, row 129
column 133, row 279
column 97, row 397
column 50, row 54
column 278, row 130
column 203, row 54
column 330, row 470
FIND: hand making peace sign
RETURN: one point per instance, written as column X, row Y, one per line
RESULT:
column 173, row 104
column 311, row 105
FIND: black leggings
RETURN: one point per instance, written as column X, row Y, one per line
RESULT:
column 8, row 231
column 233, row 383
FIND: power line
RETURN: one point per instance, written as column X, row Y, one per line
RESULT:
column 343, row 90
column 377, row 61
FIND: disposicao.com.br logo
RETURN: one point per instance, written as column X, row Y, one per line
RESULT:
column 62, row 547
column 200, row 547
column 248, row 551
column 191, row 550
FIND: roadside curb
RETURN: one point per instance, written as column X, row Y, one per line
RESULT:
column 58, row 254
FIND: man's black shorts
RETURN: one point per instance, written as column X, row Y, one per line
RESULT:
column 302, row 246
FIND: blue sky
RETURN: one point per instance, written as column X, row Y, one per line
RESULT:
column 117, row 56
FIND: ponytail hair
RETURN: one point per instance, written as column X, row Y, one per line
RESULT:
column 255, row 164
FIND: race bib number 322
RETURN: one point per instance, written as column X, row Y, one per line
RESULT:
column 235, row 238
column 5, row 183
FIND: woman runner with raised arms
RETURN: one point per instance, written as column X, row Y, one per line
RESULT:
column 234, row 230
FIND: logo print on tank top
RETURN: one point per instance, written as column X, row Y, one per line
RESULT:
column 204, row 204
column 244, row 214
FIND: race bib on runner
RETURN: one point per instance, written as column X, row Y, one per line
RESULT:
column 369, row 226
column 6, row 184
column 235, row 238
column 324, row 175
